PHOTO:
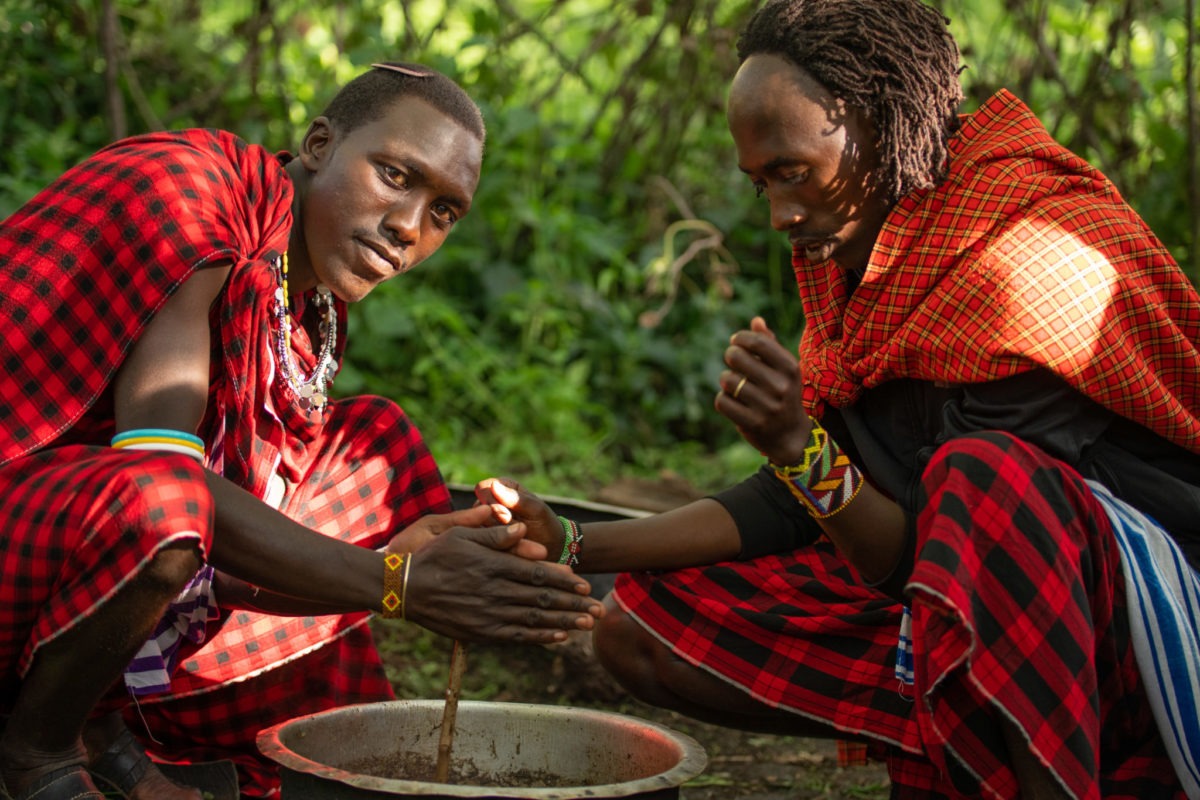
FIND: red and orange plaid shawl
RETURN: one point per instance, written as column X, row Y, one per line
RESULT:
column 1025, row 257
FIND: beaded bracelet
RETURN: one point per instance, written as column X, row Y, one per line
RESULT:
column 395, row 578
column 572, row 541
column 161, row 439
column 825, row 480
column 404, row 589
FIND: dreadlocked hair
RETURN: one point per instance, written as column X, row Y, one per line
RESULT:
column 893, row 60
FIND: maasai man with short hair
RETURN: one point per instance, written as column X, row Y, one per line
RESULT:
column 189, row 519
column 992, row 424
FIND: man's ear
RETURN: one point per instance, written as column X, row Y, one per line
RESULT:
column 317, row 145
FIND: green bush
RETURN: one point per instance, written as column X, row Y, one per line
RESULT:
column 572, row 328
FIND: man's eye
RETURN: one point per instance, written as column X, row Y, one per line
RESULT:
column 445, row 214
column 759, row 189
column 395, row 176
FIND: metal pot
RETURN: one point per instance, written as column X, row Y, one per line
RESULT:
column 501, row 750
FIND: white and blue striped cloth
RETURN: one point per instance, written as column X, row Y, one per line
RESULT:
column 1163, row 600
column 1163, row 596
column 186, row 618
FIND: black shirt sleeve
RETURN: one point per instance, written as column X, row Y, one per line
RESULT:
column 768, row 517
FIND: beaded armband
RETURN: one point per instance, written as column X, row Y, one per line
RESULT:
column 163, row 439
column 395, row 585
column 825, row 480
column 572, row 541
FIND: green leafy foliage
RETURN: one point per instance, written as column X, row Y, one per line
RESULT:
column 572, row 327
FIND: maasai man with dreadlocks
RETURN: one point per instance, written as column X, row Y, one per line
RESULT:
column 179, row 488
column 992, row 424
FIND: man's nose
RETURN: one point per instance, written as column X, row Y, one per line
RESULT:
column 785, row 213
column 402, row 224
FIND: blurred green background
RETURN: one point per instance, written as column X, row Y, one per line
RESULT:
column 571, row 330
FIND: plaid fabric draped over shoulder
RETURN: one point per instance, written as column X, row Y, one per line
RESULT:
column 87, row 262
column 1025, row 257
column 83, row 268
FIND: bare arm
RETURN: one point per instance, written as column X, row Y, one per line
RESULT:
column 870, row 531
column 699, row 533
column 469, row 582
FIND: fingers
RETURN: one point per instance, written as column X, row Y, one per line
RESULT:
column 473, row 517
column 757, row 364
column 497, row 537
column 504, row 491
column 531, row 613
column 511, row 502
column 530, row 550
column 540, row 627
column 465, row 588
column 751, row 350
column 524, row 560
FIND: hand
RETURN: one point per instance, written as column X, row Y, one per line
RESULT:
column 476, row 584
column 421, row 532
column 761, row 394
column 511, row 503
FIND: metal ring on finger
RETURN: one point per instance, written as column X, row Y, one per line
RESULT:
column 738, row 389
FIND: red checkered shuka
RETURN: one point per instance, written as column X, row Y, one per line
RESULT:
column 76, row 522
column 367, row 476
column 85, row 264
column 1019, row 615
column 80, row 295
column 1025, row 257
column 1029, row 625
column 83, row 267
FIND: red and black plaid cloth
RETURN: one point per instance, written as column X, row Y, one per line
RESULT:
column 1024, row 257
column 83, row 268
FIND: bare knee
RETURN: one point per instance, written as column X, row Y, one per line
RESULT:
column 171, row 568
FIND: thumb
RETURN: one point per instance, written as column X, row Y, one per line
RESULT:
column 497, row 537
column 474, row 517
column 759, row 325
column 502, row 490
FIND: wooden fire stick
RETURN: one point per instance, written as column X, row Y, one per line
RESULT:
column 458, row 664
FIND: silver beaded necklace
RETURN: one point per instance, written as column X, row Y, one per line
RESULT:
column 313, row 391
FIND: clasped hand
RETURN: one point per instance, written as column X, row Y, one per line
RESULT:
column 762, row 394
column 474, row 580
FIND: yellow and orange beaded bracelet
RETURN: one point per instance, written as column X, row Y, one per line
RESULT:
column 825, row 480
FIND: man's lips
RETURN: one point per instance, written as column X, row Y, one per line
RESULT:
column 808, row 242
column 383, row 255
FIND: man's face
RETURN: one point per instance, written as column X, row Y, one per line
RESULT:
column 380, row 199
column 811, row 157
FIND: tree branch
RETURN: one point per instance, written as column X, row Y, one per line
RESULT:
column 114, row 101
column 1193, row 139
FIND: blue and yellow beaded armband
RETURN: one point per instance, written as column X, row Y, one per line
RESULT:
column 163, row 439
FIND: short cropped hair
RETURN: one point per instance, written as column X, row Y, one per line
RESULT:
column 893, row 60
column 366, row 98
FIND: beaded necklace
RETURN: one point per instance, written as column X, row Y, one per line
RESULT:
column 313, row 391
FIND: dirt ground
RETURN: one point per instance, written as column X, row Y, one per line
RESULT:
column 741, row 765
column 751, row 766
